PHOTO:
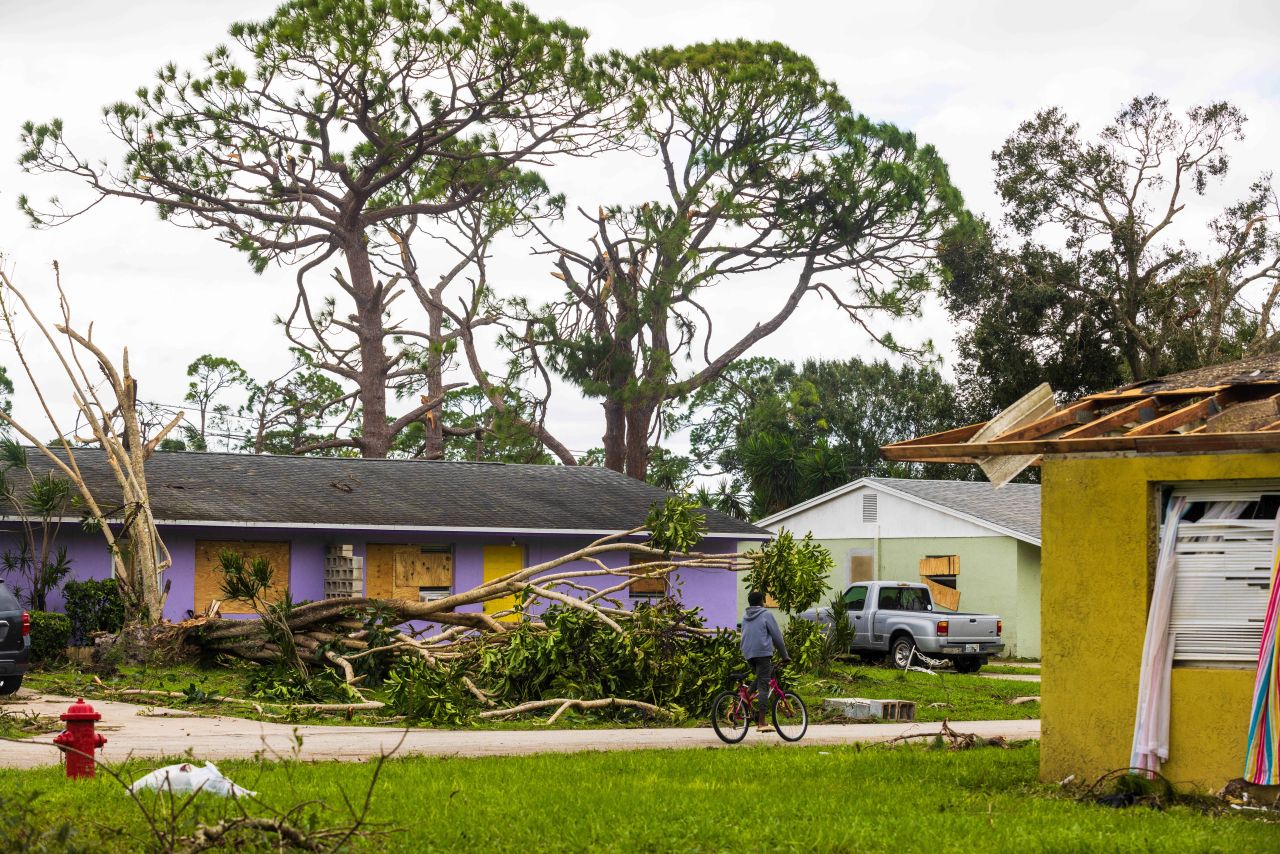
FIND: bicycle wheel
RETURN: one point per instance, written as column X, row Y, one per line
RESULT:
column 730, row 717
column 790, row 717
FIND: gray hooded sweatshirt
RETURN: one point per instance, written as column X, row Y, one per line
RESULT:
column 760, row 633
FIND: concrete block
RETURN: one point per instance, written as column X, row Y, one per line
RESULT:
column 859, row 710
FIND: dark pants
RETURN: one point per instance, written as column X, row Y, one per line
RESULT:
column 762, row 667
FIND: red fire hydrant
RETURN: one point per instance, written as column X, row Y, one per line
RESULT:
column 80, row 738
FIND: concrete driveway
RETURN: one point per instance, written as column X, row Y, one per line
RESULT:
column 134, row 731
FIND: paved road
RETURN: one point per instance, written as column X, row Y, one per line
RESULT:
column 213, row 738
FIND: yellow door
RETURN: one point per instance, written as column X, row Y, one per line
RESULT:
column 500, row 561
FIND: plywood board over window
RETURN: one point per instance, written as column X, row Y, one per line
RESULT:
column 208, row 574
column 646, row 588
column 408, row 571
column 939, row 573
column 861, row 567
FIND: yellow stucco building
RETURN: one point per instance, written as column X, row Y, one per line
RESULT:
column 1100, row 518
column 1109, row 465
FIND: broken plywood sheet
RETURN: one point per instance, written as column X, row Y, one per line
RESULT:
column 1032, row 406
column 943, row 597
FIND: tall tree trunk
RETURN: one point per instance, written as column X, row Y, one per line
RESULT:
column 639, row 416
column 375, row 438
column 433, row 447
column 615, row 435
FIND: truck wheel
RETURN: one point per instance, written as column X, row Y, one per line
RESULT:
column 900, row 651
column 10, row 684
column 968, row 664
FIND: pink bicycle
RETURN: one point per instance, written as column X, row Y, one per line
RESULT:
column 732, row 712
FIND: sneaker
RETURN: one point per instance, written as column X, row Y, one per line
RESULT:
column 765, row 728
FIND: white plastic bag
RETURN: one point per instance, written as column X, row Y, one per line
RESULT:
column 184, row 778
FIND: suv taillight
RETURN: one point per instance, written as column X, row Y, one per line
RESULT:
column 26, row 624
column 944, row 627
column 999, row 627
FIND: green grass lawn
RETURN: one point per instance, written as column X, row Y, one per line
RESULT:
column 953, row 696
column 944, row 695
column 948, row 695
column 740, row 799
column 1011, row 669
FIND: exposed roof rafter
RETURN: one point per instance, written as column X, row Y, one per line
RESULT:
column 1234, row 407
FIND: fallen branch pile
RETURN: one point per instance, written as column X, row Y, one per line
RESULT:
column 568, row 643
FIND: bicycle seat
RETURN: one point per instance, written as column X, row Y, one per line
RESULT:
column 742, row 677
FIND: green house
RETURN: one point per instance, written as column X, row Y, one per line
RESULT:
column 976, row 546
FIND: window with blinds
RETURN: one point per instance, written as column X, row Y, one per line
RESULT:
column 1225, row 551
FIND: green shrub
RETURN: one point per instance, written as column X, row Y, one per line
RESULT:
column 840, row 634
column 93, row 606
column 806, row 643
column 428, row 694
column 662, row 657
column 50, row 634
column 794, row 572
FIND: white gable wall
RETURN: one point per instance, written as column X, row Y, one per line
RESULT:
column 841, row 518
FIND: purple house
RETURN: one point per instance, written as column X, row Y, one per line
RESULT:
column 387, row 528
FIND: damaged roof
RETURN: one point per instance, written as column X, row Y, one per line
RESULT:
column 281, row 491
column 1229, row 407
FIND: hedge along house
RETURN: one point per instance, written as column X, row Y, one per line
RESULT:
column 1134, row 632
column 975, row 546
column 407, row 529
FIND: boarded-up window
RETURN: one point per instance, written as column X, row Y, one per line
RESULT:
column 647, row 588
column 940, row 573
column 410, row 572
column 940, row 565
column 861, row 567
column 208, row 576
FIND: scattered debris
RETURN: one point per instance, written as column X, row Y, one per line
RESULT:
column 1239, row 795
column 939, row 705
column 1018, row 701
column 184, row 778
column 1131, row 786
column 566, row 704
column 952, row 739
column 161, row 712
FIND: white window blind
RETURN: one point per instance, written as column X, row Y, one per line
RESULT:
column 870, row 506
column 1223, row 574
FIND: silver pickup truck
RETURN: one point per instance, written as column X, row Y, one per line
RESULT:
column 892, row 617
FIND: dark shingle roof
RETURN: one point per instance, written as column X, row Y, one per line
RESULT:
column 217, row 487
column 1015, row 506
column 1263, row 368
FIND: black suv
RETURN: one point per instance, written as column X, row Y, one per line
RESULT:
column 15, row 641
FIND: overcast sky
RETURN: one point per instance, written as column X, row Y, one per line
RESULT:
column 960, row 75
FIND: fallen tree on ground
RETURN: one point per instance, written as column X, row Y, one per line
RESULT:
column 568, row 642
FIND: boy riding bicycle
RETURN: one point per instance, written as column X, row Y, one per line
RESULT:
column 760, row 637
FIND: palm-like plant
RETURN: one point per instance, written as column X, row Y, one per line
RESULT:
column 40, row 502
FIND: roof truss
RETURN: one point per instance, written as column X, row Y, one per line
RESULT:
column 1196, row 419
